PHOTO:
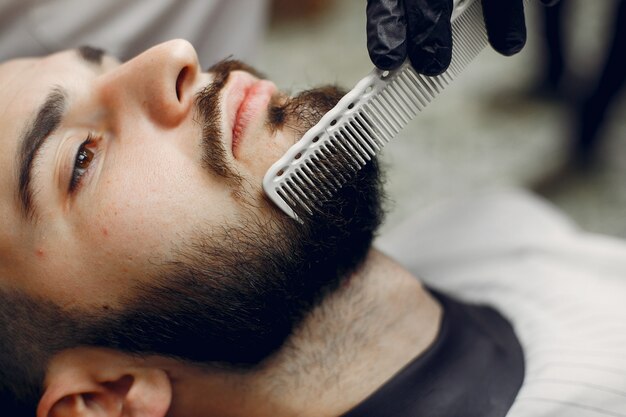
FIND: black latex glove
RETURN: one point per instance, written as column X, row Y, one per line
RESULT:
column 421, row 29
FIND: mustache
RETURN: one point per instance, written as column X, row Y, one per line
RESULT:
column 209, row 116
column 303, row 111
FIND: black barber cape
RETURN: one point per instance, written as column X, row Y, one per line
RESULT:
column 474, row 368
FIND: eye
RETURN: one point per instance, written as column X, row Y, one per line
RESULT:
column 82, row 161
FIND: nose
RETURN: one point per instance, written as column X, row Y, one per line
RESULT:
column 158, row 83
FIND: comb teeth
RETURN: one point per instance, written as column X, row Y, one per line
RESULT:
column 370, row 115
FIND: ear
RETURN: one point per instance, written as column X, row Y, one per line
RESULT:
column 88, row 382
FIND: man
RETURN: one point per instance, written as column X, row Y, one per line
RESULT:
column 137, row 185
column 144, row 273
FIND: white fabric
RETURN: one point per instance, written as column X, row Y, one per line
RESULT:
column 563, row 290
column 217, row 28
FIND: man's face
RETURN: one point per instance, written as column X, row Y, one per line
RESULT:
column 139, row 222
column 122, row 169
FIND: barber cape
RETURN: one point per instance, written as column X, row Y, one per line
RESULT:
column 563, row 290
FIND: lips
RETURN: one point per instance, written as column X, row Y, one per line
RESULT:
column 246, row 99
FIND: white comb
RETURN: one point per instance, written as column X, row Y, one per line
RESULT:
column 365, row 119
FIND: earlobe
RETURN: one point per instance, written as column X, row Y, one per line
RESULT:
column 105, row 387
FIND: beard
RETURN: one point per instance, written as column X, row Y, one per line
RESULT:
column 234, row 293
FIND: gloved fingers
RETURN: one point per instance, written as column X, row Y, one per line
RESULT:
column 429, row 35
column 386, row 33
column 506, row 28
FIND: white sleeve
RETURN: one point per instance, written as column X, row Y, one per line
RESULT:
column 216, row 28
column 480, row 224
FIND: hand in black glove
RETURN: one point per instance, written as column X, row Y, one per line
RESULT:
column 421, row 29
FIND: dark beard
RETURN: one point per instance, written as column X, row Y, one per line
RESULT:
column 235, row 292
column 231, row 297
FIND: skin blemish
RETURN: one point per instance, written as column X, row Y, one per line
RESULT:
column 40, row 253
column 105, row 231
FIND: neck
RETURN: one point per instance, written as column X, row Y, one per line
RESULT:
column 345, row 349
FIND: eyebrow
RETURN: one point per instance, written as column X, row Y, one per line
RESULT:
column 48, row 119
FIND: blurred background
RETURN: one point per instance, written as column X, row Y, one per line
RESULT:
column 501, row 123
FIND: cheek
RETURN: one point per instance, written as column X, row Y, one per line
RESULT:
column 140, row 216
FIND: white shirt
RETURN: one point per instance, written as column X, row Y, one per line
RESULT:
column 563, row 290
column 216, row 28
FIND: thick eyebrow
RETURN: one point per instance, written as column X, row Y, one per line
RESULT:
column 48, row 119
column 91, row 54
